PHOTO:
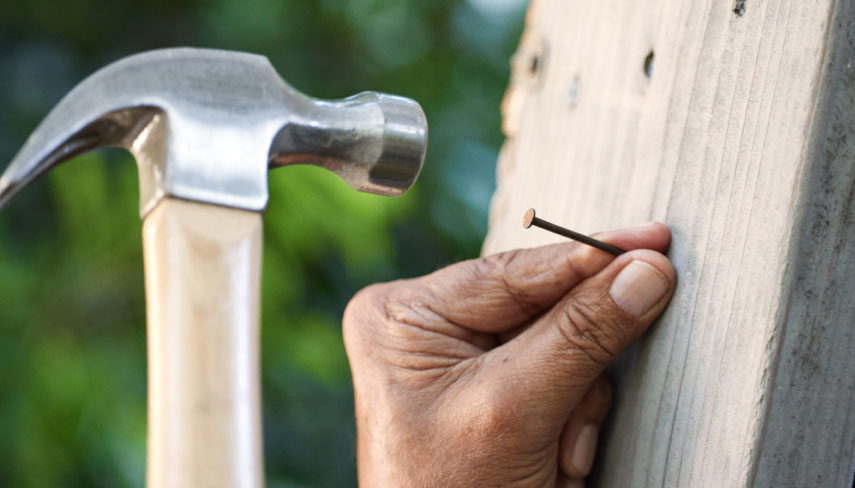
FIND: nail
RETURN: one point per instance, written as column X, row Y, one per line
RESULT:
column 530, row 219
column 638, row 287
column 585, row 449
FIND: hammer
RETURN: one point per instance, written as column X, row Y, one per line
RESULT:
column 204, row 127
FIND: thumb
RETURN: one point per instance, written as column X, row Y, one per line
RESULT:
column 547, row 369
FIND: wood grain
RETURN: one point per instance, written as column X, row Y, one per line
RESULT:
column 741, row 140
column 202, row 266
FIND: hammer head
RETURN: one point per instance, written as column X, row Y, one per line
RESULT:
column 206, row 125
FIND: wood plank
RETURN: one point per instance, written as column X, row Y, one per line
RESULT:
column 743, row 141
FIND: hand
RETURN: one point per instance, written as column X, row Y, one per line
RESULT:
column 489, row 372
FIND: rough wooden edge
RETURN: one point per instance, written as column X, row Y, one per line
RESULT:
column 531, row 49
column 808, row 421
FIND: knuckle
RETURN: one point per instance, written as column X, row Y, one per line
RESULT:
column 500, row 261
column 386, row 314
column 499, row 267
column 592, row 330
column 405, row 303
column 362, row 312
column 495, row 420
column 497, row 416
column 365, row 300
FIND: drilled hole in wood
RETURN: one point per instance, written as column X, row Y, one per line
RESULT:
column 534, row 64
column 531, row 62
column 573, row 93
column 648, row 65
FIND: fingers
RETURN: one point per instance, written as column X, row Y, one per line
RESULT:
column 499, row 292
column 566, row 482
column 567, row 348
column 578, row 443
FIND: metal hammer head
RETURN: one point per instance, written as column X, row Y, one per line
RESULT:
column 206, row 125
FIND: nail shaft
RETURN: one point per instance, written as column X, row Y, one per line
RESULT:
column 530, row 219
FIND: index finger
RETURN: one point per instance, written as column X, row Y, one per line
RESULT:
column 497, row 293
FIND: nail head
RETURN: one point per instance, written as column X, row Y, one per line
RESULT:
column 528, row 218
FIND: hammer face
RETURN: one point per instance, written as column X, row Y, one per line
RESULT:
column 205, row 125
column 374, row 142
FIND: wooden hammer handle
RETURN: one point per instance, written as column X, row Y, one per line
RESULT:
column 202, row 274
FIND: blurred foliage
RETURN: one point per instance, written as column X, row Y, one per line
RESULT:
column 72, row 311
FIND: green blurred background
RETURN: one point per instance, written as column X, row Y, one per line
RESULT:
column 72, row 311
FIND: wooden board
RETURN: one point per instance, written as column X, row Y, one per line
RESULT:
column 741, row 139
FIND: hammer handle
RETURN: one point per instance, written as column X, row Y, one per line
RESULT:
column 202, row 274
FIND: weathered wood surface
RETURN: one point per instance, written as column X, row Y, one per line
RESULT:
column 743, row 141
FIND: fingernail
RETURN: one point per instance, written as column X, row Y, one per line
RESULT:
column 638, row 287
column 585, row 449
